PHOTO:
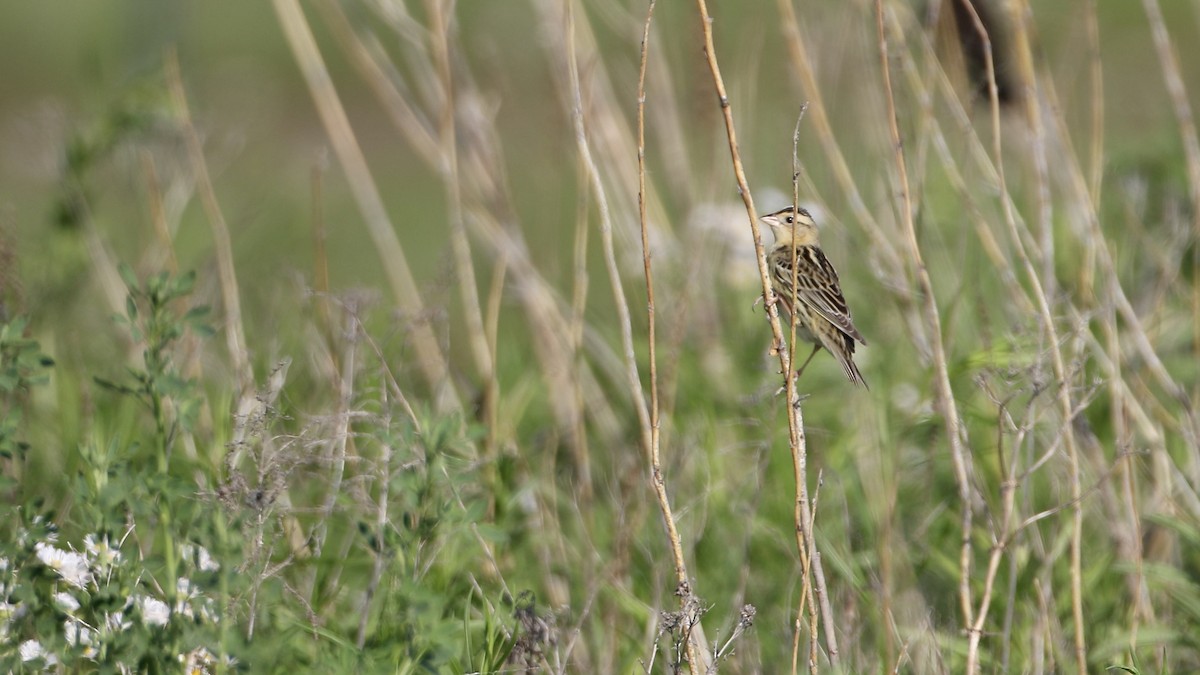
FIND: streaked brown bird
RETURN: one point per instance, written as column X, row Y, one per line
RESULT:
column 815, row 303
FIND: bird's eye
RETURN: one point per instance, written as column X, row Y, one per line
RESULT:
column 790, row 220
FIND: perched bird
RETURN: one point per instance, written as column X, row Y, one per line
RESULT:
column 815, row 304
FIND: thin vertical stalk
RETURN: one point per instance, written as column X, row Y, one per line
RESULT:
column 1182, row 107
column 945, row 394
column 795, row 419
column 439, row 33
column 579, row 291
column 1019, row 11
column 698, row 655
column 803, row 509
column 655, row 459
column 234, row 334
column 1096, row 154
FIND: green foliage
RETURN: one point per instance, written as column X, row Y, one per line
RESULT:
column 22, row 366
column 153, row 321
column 126, row 591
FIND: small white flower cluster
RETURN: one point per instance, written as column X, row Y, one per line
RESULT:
column 80, row 575
column 71, row 566
column 32, row 649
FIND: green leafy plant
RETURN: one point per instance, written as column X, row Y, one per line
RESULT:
column 22, row 366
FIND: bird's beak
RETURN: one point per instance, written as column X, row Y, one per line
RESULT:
column 769, row 220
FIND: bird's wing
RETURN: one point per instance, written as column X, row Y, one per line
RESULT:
column 817, row 287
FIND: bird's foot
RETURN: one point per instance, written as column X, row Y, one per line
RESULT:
column 774, row 300
column 800, row 398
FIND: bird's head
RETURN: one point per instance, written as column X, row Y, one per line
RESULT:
column 792, row 224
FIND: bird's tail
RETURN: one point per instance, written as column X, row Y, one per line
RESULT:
column 845, row 356
column 852, row 371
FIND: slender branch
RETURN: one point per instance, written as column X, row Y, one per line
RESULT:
column 795, row 419
column 803, row 511
column 655, row 464
column 697, row 650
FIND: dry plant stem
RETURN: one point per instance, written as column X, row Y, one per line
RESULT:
column 785, row 358
column 482, row 179
column 1096, row 156
column 1108, row 355
column 1000, row 540
column 655, row 464
column 234, row 335
column 950, row 97
column 654, row 448
column 395, row 104
column 822, row 594
column 575, row 345
column 1094, row 236
column 362, row 184
column 698, row 655
column 803, row 510
column 347, row 365
column 485, row 197
column 1019, row 11
column 482, row 171
column 1169, row 62
column 1063, row 390
column 610, row 258
column 158, row 215
column 797, row 628
column 468, row 290
column 320, row 232
column 945, row 394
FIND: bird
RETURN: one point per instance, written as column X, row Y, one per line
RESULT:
column 815, row 304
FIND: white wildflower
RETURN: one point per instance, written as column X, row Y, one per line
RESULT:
column 71, row 566
column 184, row 589
column 154, row 611
column 32, row 649
column 77, row 632
column 66, row 602
column 186, row 593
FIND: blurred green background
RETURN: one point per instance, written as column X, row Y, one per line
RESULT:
column 72, row 68
column 83, row 104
